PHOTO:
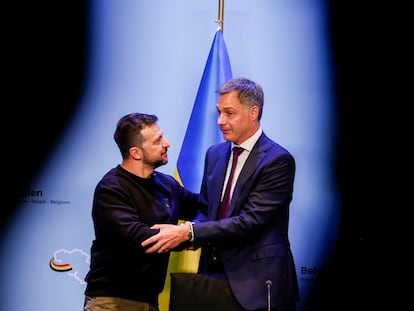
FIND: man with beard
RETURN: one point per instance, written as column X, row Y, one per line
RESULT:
column 128, row 200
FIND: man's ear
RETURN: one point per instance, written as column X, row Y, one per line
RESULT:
column 254, row 112
column 135, row 153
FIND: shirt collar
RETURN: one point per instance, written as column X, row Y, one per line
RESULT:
column 251, row 141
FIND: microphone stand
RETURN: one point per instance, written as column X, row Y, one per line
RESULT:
column 268, row 287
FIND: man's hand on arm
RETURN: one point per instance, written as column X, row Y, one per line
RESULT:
column 169, row 237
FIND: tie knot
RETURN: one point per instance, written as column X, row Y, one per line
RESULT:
column 237, row 151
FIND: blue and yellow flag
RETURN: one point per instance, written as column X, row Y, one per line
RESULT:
column 202, row 131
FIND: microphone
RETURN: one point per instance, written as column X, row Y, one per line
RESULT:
column 268, row 287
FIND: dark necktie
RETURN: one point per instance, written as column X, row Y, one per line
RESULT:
column 226, row 198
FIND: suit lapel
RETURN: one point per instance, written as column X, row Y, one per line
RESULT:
column 218, row 175
column 253, row 163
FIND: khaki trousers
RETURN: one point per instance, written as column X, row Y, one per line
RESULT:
column 116, row 304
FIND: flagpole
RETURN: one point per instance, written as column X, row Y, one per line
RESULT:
column 220, row 15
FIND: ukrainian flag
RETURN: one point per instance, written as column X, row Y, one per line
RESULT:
column 202, row 131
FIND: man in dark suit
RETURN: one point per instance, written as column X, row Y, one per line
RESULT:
column 248, row 247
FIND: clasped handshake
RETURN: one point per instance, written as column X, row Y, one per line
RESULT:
column 169, row 237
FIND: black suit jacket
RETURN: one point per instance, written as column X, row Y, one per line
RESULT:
column 253, row 240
